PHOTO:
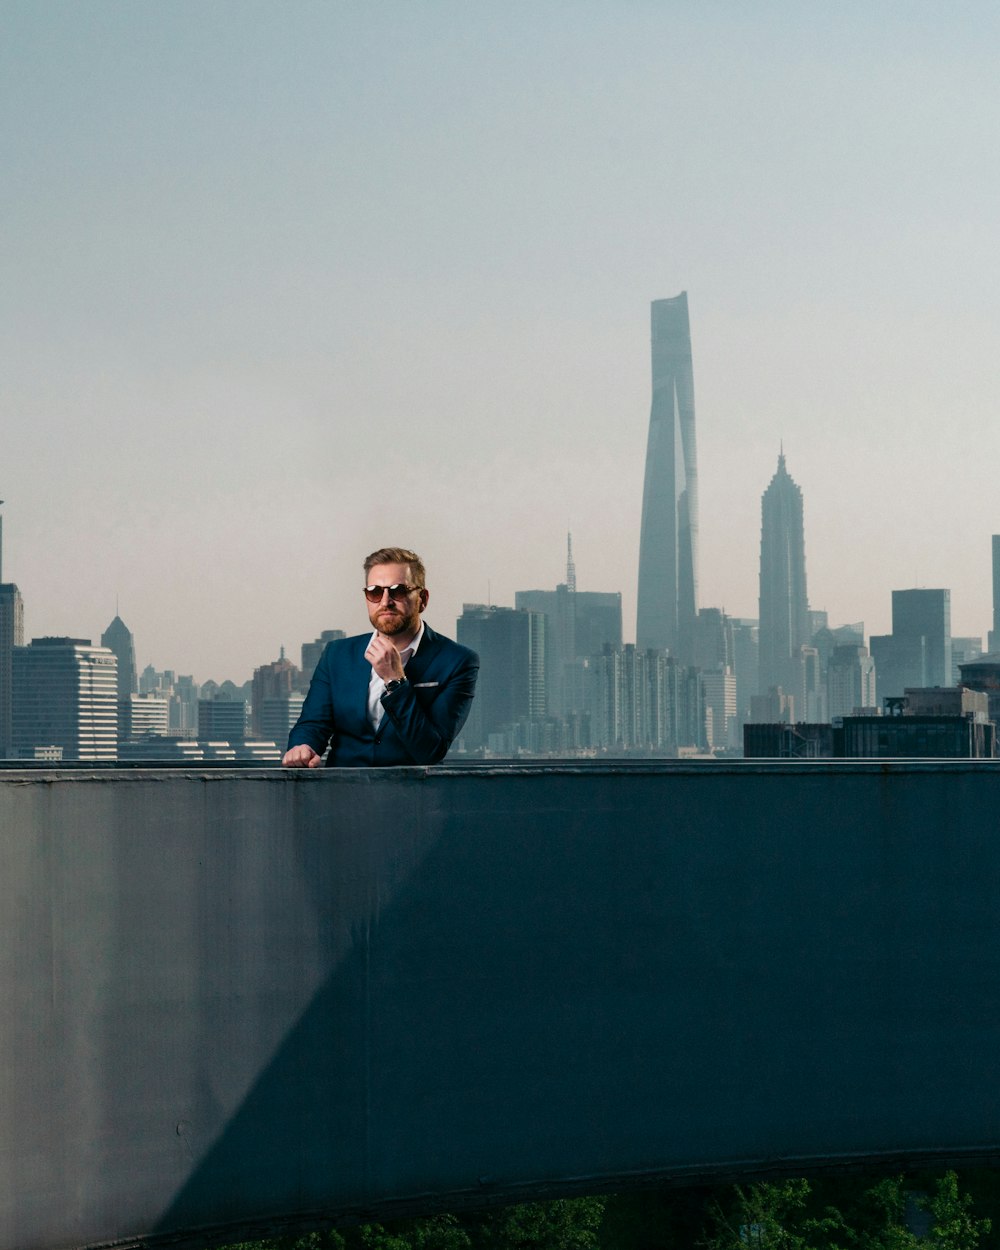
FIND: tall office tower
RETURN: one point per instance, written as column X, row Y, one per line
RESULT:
column 713, row 639
column 11, row 636
column 222, row 719
column 850, row 680
column 511, row 686
column 993, row 643
column 918, row 651
column 723, row 730
column 65, row 697
column 277, row 680
column 578, row 624
column 963, row 651
column 184, row 706
column 276, row 716
column 746, row 663
column 926, row 615
column 784, row 606
column 644, row 702
column 118, row 639
column 142, row 716
column 558, row 610
column 668, row 545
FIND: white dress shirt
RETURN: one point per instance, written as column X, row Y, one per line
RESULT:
column 376, row 686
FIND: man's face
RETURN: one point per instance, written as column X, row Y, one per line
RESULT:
column 395, row 616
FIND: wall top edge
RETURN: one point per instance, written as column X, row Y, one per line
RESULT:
column 17, row 772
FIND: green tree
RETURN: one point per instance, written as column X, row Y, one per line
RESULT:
column 772, row 1216
column 765, row 1215
column 562, row 1224
column 953, row 1226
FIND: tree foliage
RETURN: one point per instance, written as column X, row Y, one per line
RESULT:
column 838, row 1214
column 781, row 1216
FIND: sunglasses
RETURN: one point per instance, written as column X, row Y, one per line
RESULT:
column 395, row 592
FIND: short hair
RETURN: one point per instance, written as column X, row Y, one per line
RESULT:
column 398, row 555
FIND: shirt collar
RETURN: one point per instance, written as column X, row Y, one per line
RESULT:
column 410, row 650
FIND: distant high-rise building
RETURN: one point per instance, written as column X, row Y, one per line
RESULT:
column 963, row 651
column 118, row 639
column 994, row 635
column 142, row 716
column 926, row 614
column 723, row 728
column 668, row 545
column 784, row 605
column 511, row 687
column 850, row 680
column 222, row 720
column 578, row 625
column 65, row 696
column 184, row 705
column 918, row 651
column 277, row 680
column 11, row 636
column 276, row 716
column 645, row 702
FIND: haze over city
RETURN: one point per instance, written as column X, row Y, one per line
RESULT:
column 285, row 283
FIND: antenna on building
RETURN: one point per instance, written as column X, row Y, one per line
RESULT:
column 570, row 566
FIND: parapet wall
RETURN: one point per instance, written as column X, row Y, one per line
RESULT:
column 237, row 999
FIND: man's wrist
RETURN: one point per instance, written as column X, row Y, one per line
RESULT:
column 394, row 684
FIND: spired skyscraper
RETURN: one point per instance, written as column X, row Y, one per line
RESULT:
column 668, row 545
column 118, row 639
column 784, row 606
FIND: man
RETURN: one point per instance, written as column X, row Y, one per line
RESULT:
column 397, row 696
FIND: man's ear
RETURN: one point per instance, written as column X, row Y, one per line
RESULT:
column 424, row 596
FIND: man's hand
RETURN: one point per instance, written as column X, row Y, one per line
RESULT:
column 384, row 659
column 302, row 756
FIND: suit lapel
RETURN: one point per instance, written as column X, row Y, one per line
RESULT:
column 360, row 677
column 422, row 661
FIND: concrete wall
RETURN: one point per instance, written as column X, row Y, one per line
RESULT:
column 232, row 997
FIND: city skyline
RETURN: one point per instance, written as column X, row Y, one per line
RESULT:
column 282, row 289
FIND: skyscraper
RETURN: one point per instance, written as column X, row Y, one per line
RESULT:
column 511, row 688
column 65, row 697
column 578, row 624
column 668, row 545
column 11, row 636
column 118, row 638
column 918, row 651
column 784, row 606
column 850, row 680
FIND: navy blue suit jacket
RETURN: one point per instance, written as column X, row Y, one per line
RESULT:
column 420, row 720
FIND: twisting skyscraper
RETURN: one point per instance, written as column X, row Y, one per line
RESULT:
column 668, row 547
column 784, row 606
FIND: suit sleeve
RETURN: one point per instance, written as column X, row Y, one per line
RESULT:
column 427, row 732
column 315, row 725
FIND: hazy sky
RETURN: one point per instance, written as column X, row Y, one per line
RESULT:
column 284, row 282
